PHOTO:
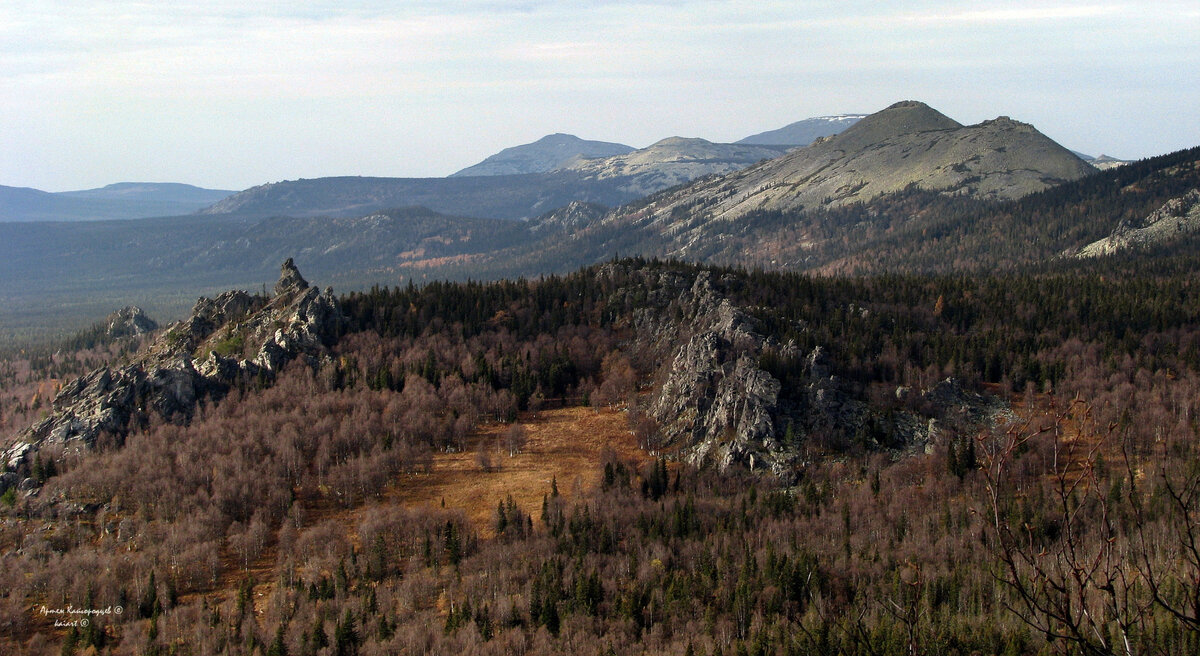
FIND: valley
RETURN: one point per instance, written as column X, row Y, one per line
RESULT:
column 860, row 396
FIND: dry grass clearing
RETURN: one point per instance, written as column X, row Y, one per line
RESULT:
column 563, row 444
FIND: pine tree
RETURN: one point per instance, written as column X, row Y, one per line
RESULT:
column 345, row 638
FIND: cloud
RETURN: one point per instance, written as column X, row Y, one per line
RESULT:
column 1029, row 14
column 80, row 75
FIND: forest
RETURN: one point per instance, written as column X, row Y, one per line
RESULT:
column 273, row 523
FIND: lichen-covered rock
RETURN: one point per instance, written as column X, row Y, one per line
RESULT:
column 719, row 404
column 290, row 281
column 201, row 356
column 715, row 402
column 129, row 321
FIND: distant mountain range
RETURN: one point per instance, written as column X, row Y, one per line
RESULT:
column 125, row 200
column 904, row 189
column 803, row 133
column 551, row 177
column 1103, row 162
column 484, row 196
column 909, row 143
column 547, row 154
column 670, row 162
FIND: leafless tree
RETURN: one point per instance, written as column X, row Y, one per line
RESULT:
column 1072, row 572
column 515, row 439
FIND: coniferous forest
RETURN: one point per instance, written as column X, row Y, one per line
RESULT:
column 274, row 520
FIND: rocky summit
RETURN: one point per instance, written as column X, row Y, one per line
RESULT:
column 907, row 144
column 232, row 340
column 129, row 321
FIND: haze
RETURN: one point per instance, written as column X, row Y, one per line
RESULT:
column 225, row 96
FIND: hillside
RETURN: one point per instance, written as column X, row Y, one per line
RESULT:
column 126, row 200
column 485, row 196
column 547, row 154
column 159, row 263
column 1177, row 219
column 907, row 144
column 766, row 457
column 670, row 162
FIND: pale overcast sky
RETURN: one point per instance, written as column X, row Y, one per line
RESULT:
column 230, row 94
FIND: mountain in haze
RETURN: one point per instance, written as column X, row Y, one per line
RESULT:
column 161, row 192
column 542, row 156
column 484, row 196
column 125, row 200
column 803, row 133
column 608, row 181
column 1105, row 162
column 670, row 162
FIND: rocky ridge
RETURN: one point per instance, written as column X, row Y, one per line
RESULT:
column 720, row 400
column 233, row 339
column 1177, row 218
column 909, row 143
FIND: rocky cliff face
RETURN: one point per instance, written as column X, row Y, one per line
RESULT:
column 720, row 400
column 129, row 321
column 1177, row 218
column 228, row 340
column 714, row 403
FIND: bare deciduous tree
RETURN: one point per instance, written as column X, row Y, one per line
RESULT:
column 1072, row 570
column 515, row 439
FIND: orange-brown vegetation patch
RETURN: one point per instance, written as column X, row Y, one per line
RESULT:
column 1080, row 439
column 564, row 444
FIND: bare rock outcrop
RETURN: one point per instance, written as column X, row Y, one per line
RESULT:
column 226, row 341
column 1177, row 218
column 729, row 397
column 715, row 403
column 130, row 320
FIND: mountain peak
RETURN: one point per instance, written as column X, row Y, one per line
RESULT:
column 908, row 104
column 904, row 117
column 542, row 156
column 805, row 132
column 680, row 141
column 559, row 137
column 290, row 280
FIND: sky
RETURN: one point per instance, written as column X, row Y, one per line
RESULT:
column 228, row 94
